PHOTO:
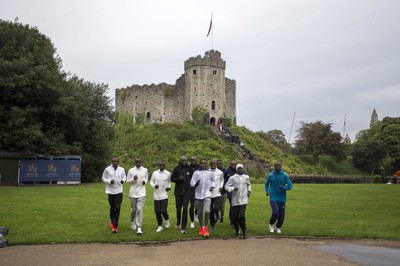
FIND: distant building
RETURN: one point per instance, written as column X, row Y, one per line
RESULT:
column 202, row 85
column 347, row 139
column 374, row 118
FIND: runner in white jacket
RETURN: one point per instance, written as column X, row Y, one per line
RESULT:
column 239, row 185
column 203, row 181
column 216, row 194
column 137, row 177
column 114, row 177
column 161, row 182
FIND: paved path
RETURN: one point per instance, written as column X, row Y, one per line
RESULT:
column 363, row 254
column 252, row 251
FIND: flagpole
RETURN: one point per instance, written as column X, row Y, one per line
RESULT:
column 344, row 127
column 291, row 128
column 211, row 30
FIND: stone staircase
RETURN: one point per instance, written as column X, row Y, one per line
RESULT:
column 251, row 161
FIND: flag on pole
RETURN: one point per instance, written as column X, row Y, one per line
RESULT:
column 210, row 28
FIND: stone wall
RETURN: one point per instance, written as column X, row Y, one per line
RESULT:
column 230, row 98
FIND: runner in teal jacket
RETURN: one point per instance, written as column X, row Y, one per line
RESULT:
column 275, row 186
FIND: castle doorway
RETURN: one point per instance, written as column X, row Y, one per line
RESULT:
column 213, row 121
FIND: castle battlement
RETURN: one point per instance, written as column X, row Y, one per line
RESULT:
column 204, row 85
column 211, row 58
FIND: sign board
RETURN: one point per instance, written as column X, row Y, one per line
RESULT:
column 50, row 170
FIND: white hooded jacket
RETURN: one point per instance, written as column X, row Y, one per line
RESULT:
column 242, row 182
column 206, row 178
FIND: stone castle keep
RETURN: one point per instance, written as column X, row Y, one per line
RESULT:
column 202, row 85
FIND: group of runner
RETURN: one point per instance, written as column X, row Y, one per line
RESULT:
column 205, row 187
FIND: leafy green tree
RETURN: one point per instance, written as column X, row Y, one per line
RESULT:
column 388, row 166
column 317, row 138
column 139, row 119
column 88, row 125
column 368, row 156
column 371, row 133
column 43, row 110
column 227, row 121
column 30, row 77
column 386, row 135
column 277, row 138
column 198, row 114
column 389, row 134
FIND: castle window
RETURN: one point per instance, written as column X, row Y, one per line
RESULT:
column 148, row 115
column 194, row 71
column 213, row 105
column 214, row 72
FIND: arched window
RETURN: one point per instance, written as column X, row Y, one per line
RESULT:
column 213, row 105
column 148, row 115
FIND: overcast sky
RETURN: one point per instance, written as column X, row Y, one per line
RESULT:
column 318, row 59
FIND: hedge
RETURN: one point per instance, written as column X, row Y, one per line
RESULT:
column 319, row 179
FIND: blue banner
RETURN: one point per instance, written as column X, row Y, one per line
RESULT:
column 50, row 170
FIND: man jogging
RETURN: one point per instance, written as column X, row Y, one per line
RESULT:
column 114, row 176
column 275, row 187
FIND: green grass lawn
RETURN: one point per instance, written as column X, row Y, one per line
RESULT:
column 69, row 214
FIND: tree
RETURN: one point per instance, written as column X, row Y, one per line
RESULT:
column 139, row 119
column 89, row 125
column 227, row 121
column 368, row 155
column 317, row 138
column 277, row 138
column 43, row 110
column 30, row 76
column 378, row 146
column 198, row 114
column 370, row 133
column 389, row 134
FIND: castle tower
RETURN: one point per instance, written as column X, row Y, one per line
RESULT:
column 202, row 85
column 206, row 86
column 374, row 118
